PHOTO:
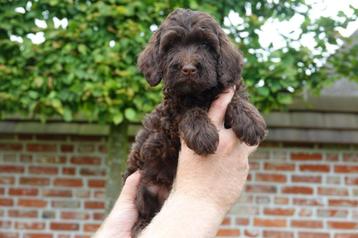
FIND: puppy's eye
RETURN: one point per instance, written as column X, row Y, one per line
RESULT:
column 205, row 44
column 175, row 66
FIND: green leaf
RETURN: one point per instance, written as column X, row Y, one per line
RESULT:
column 284, row 98
column 130, row 114
column 118, row 118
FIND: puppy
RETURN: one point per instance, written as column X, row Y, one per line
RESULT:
column 196, row 61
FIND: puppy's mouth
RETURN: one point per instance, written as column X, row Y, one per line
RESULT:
column 190, row 86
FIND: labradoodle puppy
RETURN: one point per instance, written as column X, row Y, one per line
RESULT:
column 196, row 61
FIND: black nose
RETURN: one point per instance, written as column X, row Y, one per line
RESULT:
column 189, row 69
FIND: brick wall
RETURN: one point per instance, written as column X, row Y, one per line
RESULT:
column 298, row 193
column 53, row 187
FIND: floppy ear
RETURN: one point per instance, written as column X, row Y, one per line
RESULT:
column 230, row 61
column 148, row 60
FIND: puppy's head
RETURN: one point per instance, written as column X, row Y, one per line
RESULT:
column 191, row 54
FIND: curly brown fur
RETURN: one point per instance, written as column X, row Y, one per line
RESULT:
column 196, row 61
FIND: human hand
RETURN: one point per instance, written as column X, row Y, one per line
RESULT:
column 220, row 177
column 124, row 214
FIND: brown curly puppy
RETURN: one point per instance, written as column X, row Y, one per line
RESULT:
column 196, row 61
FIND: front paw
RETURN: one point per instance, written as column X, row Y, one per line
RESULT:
column 247, row 123
column 199, row 133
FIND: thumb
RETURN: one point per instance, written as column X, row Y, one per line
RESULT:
column 130, row 188
column 217, row 109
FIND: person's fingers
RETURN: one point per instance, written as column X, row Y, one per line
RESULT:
column 218, row 107
column 130, row 188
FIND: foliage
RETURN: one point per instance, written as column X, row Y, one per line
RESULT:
column 89, row 66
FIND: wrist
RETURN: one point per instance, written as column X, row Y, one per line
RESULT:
column 200, row 217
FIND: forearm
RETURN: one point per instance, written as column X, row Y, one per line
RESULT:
column 183, row 216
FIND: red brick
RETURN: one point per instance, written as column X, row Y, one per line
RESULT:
column 306, row 179
column 56, row 193
column 101, row 216
column 279, row 211
column 89, row 160
column 332, row 157
column 5, row 224
column 43, row 170
column 297, row 190
column 281, row 200
column 342, row 225
column 91, row 227
column 67, row 148
column 228, row 232
column 10, row 147
column 92, row 172
column 85, row 148
column 2, row 191
column 242, row 221
column 68, row 182
column 26, row 158
column 94, row 205
column 48, row 214
column 34, row 181
column 7, row 180
column 351, row 180
column 11, row 169
column 30, row 225
column 306, row 224
column 69, row 171
column 306, row 156
column 332, row 213
column 99, row 194
column 254, row 165
column 51, row 159
column 257, row 188
column 8, row 234
column 22, row 213
column 32, row 203
column 307, row 202
column 350, row 157
column 347, row 235
column 346, row 169
column 37, row 235
column 72, row 215
column 59, row 226
column 279, row 166
column 96, row 183
column 305, row 212
column 343, row 202
column 270, row 222
column 41, row 148
column 6, row 202
column 279, row 178
column 252, row 233
column 315, row 168
column 23, row 191
column 313, row 235
column 277, row 234
column 102, row 149
column 65, row 204
column 333, row 191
